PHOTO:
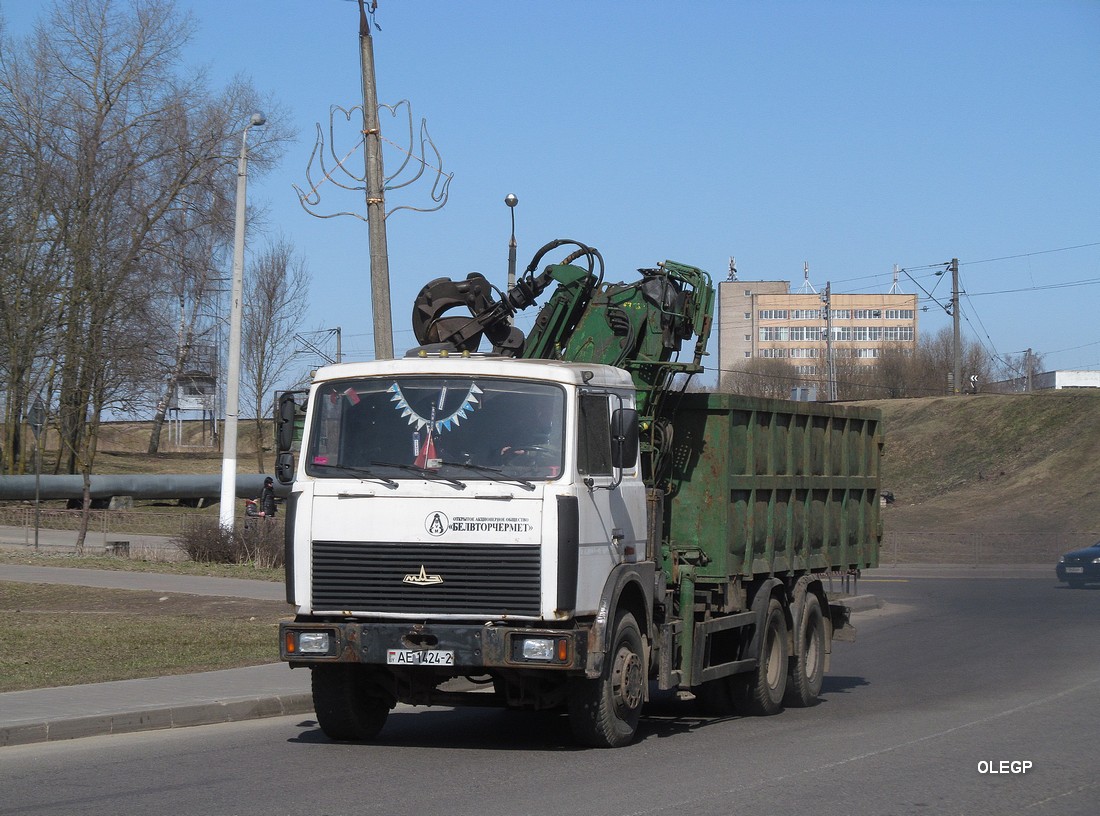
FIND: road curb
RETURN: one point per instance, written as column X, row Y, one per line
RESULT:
column 151, row 719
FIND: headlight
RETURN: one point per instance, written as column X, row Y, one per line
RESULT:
column 541, row 649
column 538, row 649
column 313, row 642
column 1061, row 559
column 1096, row 560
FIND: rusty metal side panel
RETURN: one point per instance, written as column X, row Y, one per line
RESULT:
column 768, row 486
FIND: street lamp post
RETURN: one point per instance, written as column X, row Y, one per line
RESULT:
column 512, row 201
column 227, row 511
column 38, row 419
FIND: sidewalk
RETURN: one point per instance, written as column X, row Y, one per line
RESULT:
column 233, row 695
column 40, row 715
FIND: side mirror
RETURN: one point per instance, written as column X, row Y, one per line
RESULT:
column 624, row 437
column 286, row 416
column 284, row 467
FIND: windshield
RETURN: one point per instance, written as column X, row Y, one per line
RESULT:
column 468, row 429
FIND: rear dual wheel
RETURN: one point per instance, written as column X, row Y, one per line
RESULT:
column 760, row 693
column 807, row 669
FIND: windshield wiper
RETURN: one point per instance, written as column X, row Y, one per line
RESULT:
column 427, row 474
column 500, row 474
column 362, row 472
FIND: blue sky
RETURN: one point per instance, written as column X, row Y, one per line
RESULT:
column 850, row 135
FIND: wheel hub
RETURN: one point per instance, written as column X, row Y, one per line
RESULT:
column 626, row 679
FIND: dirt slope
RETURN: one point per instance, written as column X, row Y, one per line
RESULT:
column 1019, row 463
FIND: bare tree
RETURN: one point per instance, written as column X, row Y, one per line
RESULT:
column 763, row 377
column 130, row 154
column 276, row 297
column 29, row 289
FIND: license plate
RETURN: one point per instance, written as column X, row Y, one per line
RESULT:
column 420, row 657
column 1074, row 570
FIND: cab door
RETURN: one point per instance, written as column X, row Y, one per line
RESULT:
column 611, row 502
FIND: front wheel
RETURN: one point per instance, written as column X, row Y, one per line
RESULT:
column 349, row 706
column 604, row 712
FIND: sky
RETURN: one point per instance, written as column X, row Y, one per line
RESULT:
column 854, row 137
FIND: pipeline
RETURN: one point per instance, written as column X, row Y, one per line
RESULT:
column 138, row 486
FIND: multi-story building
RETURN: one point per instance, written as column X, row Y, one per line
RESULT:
column 765, row 320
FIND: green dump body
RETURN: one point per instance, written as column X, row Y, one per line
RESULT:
column 770, row 487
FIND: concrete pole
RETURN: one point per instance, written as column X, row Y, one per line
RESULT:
column 227, row 510
column 376, row 203
column 955, row 388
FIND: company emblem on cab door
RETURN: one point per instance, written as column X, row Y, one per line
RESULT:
column 437, row 523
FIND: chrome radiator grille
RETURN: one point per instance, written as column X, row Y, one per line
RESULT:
column 475, row 579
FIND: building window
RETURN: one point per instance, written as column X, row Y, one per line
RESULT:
column 773, row 333
column 773, row 314
column 748, row 293
column 748, row 337
column 748, row 315
column 805, row 314
column 865, row 353
column 806, row 333
column 748, row 354
column 899, row 314
column 842, row 314
column 773, row 353
column 901, row 333
column 868, row 314
column 804, row 352
column 807, row 370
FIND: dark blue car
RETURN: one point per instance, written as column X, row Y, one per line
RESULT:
column 1080, row 567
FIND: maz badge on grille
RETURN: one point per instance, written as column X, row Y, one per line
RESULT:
column 423, row 579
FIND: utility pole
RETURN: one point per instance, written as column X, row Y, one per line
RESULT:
column 955, row 318
column 226, row 513
column 376, row 203
column 830, row 365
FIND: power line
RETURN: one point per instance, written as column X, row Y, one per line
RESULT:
column 1065, row 285
column 1030, row 254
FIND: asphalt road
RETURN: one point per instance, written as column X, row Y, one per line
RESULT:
column 951, row 678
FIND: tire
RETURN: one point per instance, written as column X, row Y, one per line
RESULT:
column 807, row 666
column 604, row 713
column 346, row 708
column 760, row 693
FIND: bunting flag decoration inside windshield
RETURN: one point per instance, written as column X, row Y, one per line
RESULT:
column 439, row 423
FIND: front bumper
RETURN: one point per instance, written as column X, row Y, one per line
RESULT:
column 1083, row 572
column 475, row 648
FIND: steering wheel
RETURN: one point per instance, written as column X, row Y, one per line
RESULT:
column 524, row 450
